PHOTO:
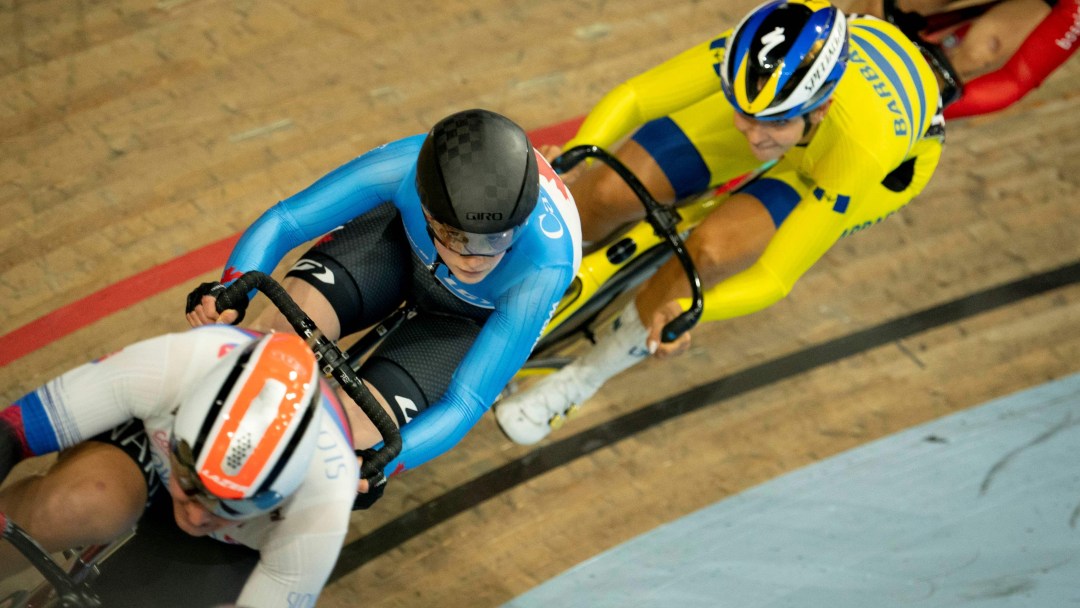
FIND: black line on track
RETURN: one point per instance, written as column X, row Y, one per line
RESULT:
column 556, row 454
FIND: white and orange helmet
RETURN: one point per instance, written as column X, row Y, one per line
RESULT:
column 243, row 437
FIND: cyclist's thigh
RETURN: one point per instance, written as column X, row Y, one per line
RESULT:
column 601, row 186
column 703, row 147
column 604, row 200
column 780, row 188
column 131, row 439
column 995, row 36
column 412, row 367
column 313, row 302
column 361, row 269
column 924, row 7
column 93, row 492
column 88, row 470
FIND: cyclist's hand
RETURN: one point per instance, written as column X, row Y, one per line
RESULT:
column 364, row 485
column 202, row 310
column 550, row 152
column 663, row 315
column 366, row 496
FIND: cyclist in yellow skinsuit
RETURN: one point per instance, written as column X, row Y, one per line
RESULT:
column 847, row 109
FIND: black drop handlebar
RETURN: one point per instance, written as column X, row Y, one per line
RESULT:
column 664, row 221
column 332, row 361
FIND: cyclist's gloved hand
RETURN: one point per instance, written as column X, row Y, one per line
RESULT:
column 10, row 450
column 364, row 500
column 201, row 310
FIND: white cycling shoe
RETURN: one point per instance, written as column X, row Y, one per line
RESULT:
column 529, row 416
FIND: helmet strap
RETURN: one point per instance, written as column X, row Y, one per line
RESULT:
column 808, row 123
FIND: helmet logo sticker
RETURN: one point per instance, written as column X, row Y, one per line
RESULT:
column 770, row 41
column 827, row 59
column 487, row 216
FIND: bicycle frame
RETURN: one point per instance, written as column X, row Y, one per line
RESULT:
column 627, row 260
column 65, row 588
column 623, row 263
column 620, row 264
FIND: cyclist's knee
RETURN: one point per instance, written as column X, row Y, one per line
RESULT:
column 602, row 191
column 310, row 300
column 365, row 435
column 604, row 203
column 87, row 513
column 90, row 497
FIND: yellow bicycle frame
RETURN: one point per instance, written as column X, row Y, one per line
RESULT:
column 596, row 267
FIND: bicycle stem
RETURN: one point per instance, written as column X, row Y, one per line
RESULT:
column 333, row 363
column 69, row 591
column 663, row 220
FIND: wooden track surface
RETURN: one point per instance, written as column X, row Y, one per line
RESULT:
column 133, row 133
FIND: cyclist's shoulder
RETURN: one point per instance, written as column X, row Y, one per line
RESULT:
column 708, row 52
column 553, row 231
column 397, row 155
column 214, row 337
column 188, row 354
column 888, row 91
column 215, row 334
column 406, row 146
column 329, row 484
column 1060, row 26
column 336, row 423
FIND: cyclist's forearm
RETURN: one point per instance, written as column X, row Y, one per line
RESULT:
column 752, row 290
column 434, row 432
column 263, row 244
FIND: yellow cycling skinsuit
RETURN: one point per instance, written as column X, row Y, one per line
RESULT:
column 874, row 151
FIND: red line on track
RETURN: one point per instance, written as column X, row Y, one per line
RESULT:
column 136, row 288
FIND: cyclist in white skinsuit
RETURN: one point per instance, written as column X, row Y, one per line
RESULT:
column 249, row 456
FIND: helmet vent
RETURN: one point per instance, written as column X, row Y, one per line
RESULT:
column 238, row 453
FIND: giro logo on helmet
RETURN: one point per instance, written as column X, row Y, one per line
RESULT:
column 484, row 216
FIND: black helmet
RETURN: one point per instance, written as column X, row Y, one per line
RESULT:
column 477, row 174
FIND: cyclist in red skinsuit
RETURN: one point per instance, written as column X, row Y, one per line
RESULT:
column 1048, row 46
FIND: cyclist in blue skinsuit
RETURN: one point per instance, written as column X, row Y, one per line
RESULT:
column 468, row 226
